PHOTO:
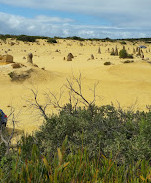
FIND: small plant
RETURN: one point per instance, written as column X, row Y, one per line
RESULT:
column 113, row 53
column 3, row 37
column 51, row 40
column 11, row 75
column 130, row 56
column 128, row 61
column 107, row 63
column 75, row 38
column 123, row 42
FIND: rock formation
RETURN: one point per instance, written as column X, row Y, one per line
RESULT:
column 99, row 51
column 29, row 58
column 92, row 56
column 70, row 57
column 6, row 58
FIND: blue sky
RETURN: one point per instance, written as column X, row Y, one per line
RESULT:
column 84, row 18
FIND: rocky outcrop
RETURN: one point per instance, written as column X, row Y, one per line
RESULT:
column 6, row 58
column 70, row 57
column 92, row 57
column 20, row 75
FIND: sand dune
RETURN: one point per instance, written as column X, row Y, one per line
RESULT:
column 125, row 83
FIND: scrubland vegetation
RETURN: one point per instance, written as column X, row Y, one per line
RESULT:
column 81, row 144
column 97, row 144
column 33, row 38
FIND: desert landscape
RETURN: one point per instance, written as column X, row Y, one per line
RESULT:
column 127, row 84
column 75, row 91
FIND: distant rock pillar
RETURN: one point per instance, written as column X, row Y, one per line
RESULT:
column 29, row 58
column 99, row 51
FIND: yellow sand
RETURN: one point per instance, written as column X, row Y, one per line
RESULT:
column 127, row 84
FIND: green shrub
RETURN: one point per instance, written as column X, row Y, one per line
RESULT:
column 11, row 75
column 123, row 42
column 112, row 53
column 129, row 56
column 107, row 63
column 95, row 144
column 25, row 38
column 123, row 54
column 51, row 40
column 75, row 38
column 128, row 61
column 99, row 129
column 71, row 167
column 3, row 37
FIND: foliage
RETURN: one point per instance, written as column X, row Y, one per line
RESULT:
column 25, row 38
column 72, row 167
column 2, row 37
column 113, row 53
column 130, row 56
column 107, row 63
column 32, row 38
column 128, row 61
column 75, row 38
column 123, row 42
column 123, row 54
column 11, row 75
column 99, row 129
column 51, row 40
column 94, row 144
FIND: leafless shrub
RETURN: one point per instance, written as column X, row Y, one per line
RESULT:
column 54, row 100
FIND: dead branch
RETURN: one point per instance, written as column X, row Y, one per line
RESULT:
column 37, row 105
column 53, row 99
column 79, row 92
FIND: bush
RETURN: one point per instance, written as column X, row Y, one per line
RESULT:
column 95, row 144
column 51, row 40
column 3, row 37
column 75, row 38
column 72, row 167
column 123, row 54
column 128, row 61
column 11, row 75
column 129, row 56
column 123, row 42
column 25, row 38
column 112, row 53
column 107, row 63
column 99, row 129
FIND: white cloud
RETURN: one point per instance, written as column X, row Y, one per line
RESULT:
column 123, row 13
column 57, row 26
column 46, row 19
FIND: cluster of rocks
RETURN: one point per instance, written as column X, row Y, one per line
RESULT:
column 139, row 52
column 114, row 52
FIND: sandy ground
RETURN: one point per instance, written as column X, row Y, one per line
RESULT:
column 127, row 84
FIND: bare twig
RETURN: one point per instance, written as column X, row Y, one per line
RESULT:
column 38, row 106
column 78, row 91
